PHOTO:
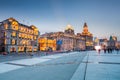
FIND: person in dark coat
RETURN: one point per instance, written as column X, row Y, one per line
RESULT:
column 117, row 50
column 99, row 51
column 108, row 49
column 104, row 50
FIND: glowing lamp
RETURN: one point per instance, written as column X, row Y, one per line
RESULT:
column 97, row 47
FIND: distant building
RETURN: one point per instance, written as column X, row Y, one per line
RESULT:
column 17, row 37
column 67, row 40
column 96, row 41
column 112, row 42
column 88, row 37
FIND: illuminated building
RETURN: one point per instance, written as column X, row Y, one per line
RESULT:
column 88, row 37
column 96, row 41
column 17, row 37
column 47, row 44
column 80, row 42
column 67, row 40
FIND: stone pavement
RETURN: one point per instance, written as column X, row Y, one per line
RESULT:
column 18, row 56
column 20, row 63
column 97, row 66
column 94, row 66
column 52, row 67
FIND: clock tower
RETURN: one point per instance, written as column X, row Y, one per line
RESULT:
column 88, row 37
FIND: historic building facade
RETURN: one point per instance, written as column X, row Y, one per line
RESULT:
column 47, row 44
column 87, row 36
column 17, row 37
column 67, row 40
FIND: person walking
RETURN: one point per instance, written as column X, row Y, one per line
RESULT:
column 104, row 50
column 104, row 47
column 99, row 51
column 117, row 50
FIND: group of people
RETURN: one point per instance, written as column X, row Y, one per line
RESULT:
column 110, row 50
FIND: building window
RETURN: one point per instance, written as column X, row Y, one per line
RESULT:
column 5, row 41
column 20, row 48
column 14, row 25
column 20, row 35
column 35, row 32
column 13, row 33
column 31, row 37
column 28, row 36
column 5, row 33
column 35, row 49
column 35, row 38
column 13, row 42
column 29, row 31
column 32, row 32
column 21, row 29
column 6, row 26
column 23, row 35
column 12, row 49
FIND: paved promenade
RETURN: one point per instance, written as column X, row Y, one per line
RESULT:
column 88, row 65
column 97, row 66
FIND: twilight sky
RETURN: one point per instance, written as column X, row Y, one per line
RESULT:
column 102, row 16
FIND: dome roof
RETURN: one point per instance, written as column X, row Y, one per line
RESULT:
column 69, row 27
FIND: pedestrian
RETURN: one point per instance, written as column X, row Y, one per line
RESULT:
column 117, row 50
column 104, row 50
column 104, row 47
column 108, row 50
column 111, row 50
column 99, row 51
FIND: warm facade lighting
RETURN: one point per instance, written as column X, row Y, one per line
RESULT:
column 18, row 37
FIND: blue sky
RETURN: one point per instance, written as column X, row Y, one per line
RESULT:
column 102, row 16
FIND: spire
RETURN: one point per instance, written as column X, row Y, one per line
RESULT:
column 110, row 38
column 85, row 28
column 85, row 25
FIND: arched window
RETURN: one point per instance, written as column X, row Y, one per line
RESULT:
column 14, row 25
